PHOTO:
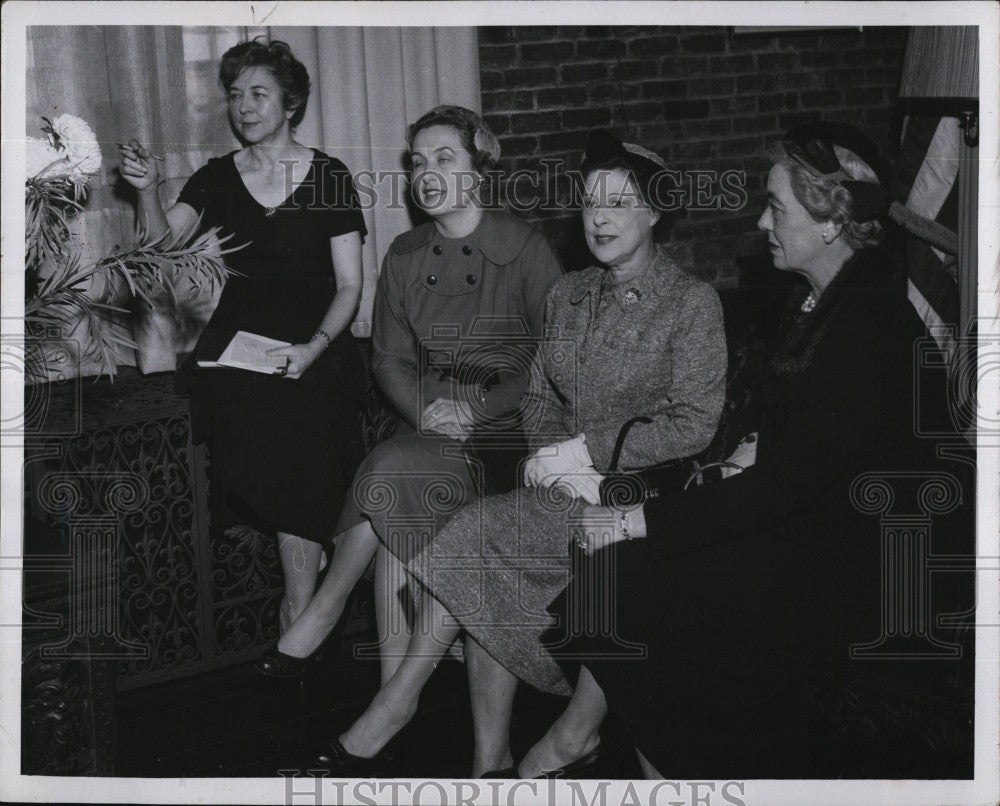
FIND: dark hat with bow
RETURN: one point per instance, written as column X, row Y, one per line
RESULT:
column 811, row 145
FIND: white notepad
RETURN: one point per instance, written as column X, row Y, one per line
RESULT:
column 249, row 351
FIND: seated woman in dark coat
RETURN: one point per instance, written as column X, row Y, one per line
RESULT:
column 759, row 599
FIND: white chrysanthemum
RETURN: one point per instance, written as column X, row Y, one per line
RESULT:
column 81, row 146
column 39, row 155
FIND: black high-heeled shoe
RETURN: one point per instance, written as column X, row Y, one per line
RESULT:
column 584, row 767
column 336, row 762
column 275, row 663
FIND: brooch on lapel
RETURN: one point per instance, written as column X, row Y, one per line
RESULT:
column 631, row 297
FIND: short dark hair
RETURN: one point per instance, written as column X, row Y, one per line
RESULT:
column 477, row 138
column 277, row 57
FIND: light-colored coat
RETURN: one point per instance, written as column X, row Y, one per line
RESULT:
column 653, row 347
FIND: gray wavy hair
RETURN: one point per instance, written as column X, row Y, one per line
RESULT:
column 825, row 199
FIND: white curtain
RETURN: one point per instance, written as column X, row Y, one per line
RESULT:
column 160, row 85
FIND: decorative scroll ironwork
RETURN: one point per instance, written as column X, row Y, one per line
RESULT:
column 157, row 553
column 192, row 598
column 246, row 587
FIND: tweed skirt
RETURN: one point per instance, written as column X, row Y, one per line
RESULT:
column 496, row 566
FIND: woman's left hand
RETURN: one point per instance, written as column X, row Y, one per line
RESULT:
column 599, row 527
column 297, row 358
column 449, row 417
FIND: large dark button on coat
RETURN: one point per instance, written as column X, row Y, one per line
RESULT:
column 466, row 250
column 437, row 249
column 431, row 279
column 471, row 279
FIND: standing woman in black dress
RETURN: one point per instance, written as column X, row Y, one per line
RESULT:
column 284, row 447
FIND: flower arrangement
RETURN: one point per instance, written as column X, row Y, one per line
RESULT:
column 65, row 293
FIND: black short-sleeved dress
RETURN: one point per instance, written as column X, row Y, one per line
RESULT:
column 283, row 451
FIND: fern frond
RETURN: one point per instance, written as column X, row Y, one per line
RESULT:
column 49, row 204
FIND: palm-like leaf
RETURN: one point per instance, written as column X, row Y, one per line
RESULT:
column 59, row 306
column 49, row 204
column 148, row 267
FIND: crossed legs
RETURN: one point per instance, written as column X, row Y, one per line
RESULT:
column 396, row 701
column 410, row 656
column 391, row 617
column 574, row 734
column 491, row 689
column 355, row 550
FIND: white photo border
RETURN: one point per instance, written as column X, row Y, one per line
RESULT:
column 983, row 789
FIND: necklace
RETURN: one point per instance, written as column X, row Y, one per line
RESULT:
column 269, row 212
column 809, row 303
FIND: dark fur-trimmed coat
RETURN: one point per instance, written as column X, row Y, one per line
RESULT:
column 752, row 596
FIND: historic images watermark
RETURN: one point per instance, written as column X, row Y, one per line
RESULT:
column 910, row 506
column 314, row 789
column 86, row 506
column 905, row 506
column 46, row 362
column 554, row 187
column 91, row 506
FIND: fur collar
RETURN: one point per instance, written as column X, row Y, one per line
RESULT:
column 867, row 269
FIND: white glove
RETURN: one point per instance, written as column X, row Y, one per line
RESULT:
column 557, row 460
column 583, row 483
column 745, row 455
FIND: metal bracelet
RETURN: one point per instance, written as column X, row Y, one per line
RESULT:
column 322, row 334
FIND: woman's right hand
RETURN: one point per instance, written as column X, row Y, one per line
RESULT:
column 599, row 527
column 138, row 166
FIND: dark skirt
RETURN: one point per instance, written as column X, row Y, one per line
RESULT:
column 735, row 661
column 282, row 452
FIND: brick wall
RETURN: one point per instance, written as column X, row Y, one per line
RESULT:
column 703, row 98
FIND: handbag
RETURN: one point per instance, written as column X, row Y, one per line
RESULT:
column 628, row 488
column 622, row 489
